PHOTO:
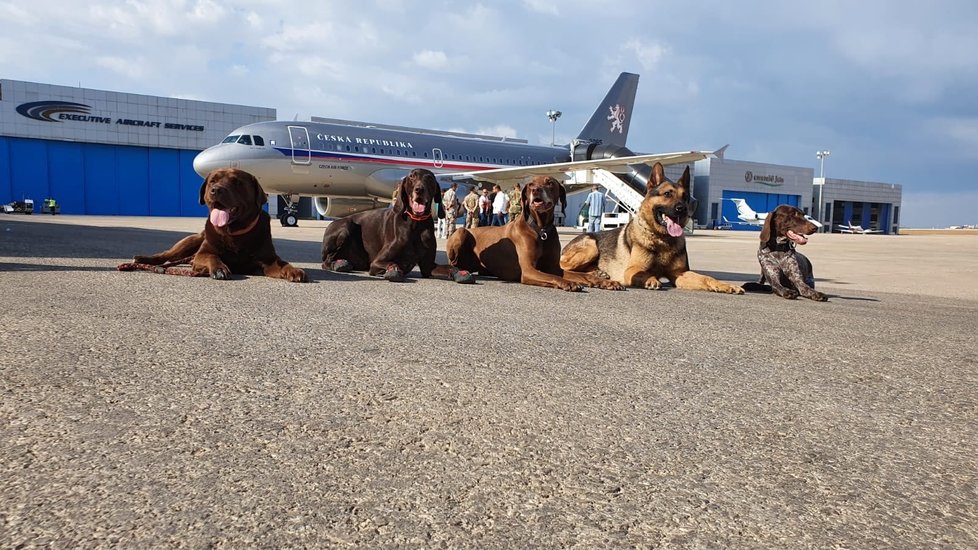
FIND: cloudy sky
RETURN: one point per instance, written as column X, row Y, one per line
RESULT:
column 890, row 87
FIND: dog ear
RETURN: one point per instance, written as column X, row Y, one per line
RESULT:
column 769, row 228
column 203, row 188
column 684, row 180
column 525, row 210
column 260, row 195
column 562, row 193
column 658, row 177
column 435, row 189
column 400, row 203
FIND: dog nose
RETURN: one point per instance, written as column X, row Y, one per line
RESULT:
column 681, row 208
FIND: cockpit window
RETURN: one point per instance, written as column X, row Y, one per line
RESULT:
column 231, row 139
column 259, row 141
column 244, row 140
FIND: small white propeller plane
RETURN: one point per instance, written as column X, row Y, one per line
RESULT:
column 855, row 229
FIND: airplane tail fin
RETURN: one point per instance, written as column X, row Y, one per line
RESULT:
column 744, row 210
column 609, row 123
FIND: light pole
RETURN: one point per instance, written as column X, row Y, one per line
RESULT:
column 553, row 115
column 820, row 155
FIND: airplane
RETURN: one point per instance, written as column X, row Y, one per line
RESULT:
column 747, row 215
column 856, row 229
column 350, row 166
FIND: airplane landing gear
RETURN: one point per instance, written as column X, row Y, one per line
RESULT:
column 290, row 218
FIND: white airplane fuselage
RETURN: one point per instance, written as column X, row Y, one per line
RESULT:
column 328, row 159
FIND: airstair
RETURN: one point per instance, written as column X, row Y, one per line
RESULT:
column 627, row 196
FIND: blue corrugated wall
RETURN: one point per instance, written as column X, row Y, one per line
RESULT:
column 90, row 178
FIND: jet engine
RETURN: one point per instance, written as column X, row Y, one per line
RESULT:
column 340, row 207
column 637, row 176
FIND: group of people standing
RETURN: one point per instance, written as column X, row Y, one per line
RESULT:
column 488, row 208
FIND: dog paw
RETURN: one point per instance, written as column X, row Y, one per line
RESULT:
column 222, row 273
column 728, row 289
column 339, row 266
column 608, row 284
column 394, row 274
column 653, row 284
column 294, row 275
column 463, row 277
column 788, row 293
column 817, row 296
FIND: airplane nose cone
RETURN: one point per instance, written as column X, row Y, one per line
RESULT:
column 207, row 161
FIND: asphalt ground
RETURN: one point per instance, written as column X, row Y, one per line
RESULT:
column 144, row 410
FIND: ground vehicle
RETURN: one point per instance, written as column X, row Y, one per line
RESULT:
column 25, row 206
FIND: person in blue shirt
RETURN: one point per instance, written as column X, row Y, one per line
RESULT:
column 595, row 201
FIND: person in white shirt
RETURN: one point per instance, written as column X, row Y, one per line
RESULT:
column 500, row 206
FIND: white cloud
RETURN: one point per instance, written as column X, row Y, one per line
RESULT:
column 547, row 7
column 429, row 59
column 648, row 55
column 130, row 68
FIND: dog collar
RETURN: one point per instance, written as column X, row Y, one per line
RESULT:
column 418, row 218
column 246, row 229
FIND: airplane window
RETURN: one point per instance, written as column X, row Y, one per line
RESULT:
column 398, row 152
column 259, row 141
column 348, row 148
column 230, row 139
column 244, row 140
column 426, row 154
column 374, row 149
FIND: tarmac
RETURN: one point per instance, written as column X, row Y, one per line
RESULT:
column 145, row 410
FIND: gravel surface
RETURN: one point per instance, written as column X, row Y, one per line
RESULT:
column 142, row 410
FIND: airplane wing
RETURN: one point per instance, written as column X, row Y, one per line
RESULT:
column 559, row 170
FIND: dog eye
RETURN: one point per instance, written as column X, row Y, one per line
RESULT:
column 668, row 194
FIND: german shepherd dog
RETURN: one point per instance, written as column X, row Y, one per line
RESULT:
column 651, row 246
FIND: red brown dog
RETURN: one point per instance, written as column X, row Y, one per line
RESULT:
column 237, row 237
column 526, row 250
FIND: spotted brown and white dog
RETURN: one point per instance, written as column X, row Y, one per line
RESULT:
column 784, row 270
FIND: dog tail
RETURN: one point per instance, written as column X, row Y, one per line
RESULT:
column 609, row 123
column 756, row 287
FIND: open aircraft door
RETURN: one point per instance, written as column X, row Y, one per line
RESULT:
column 300, row 144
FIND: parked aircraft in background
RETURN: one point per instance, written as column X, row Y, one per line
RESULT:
column 855, row 229
column 350, row 166
column 747, row 215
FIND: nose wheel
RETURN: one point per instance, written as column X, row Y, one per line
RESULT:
column 290, row 218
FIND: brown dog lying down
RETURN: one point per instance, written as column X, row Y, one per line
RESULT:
column 526, row 250
column 237, row 237
column 789, row 273
column 391, row 241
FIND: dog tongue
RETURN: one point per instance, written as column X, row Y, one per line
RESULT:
column 417, row 207
column 672, row 227
column 220, row 218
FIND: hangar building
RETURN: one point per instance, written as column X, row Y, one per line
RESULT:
column 101, row 152
column 765, row 186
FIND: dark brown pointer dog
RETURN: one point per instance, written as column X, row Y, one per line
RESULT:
column 788, row 272
column 389, row 241
column 237, row 237
column 649, row 247
column 526, row 250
